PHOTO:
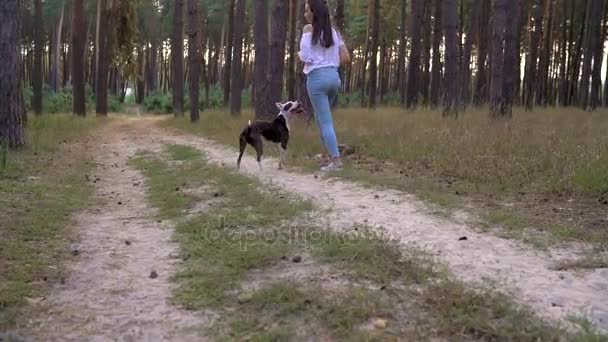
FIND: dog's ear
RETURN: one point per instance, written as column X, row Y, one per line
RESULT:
column 279, row 105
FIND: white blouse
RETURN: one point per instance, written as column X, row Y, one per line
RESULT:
column 317, row 56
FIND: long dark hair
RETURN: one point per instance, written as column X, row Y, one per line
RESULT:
column 321, row 24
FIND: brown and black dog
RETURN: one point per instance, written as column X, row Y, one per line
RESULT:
column 276, row 131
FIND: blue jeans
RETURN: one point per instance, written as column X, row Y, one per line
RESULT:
column 323, row 86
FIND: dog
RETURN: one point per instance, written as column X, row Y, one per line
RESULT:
column 276, row 131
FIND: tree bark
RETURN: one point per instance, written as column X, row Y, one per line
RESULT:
column 511, row 77
column 545, row 58
column 103, row 58
column 450, row 103
column 237, row 72
column 531, row 63
column 278, row 37
column 12, row 110
column 261, row 58
column 177, row 58
column 291, row 81
column 402, row 43
column 57, row 45
column 373, row 69
column 483, row 38
column 301, row 91
column 228, row 52
column 414, row 63
column 436, row 65
column 497, row 79
column 78, row 39
column 465, row 87
column 194, row 57
column 597, row 49
column 38, row 50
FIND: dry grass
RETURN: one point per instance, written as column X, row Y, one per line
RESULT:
column 549, row 167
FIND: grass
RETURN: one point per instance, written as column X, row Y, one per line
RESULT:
column 41, row 185
column 241, row 232
column 223, row 242
column 537, row 162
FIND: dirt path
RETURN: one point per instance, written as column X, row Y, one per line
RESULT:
column 513, row 268
column 109, row 294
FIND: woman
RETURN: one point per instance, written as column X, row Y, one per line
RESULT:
column 321, row 50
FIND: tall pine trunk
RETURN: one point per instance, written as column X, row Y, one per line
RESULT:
column 497, row 79
column 291, row 76
column 194, row 58
column 436, row 65
column 450, row 103
column 402, row 43
column 373, row 69
column 278, row 37
column 414, row 60
column 57, row 47
column 597, row 49
column 228, row 52
column 177, row 58
column 12, row 110
column 78, row 73
column 531, row 62
column 511, row 77
column 237, row 70
column 483, row 40
column 261, row 58
column 103, row 58
column 465, row 87
column 545, row 58
column 38, row 50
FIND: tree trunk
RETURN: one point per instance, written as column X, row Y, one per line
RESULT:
column 194, row 57
column 373, row 69
column 425, row 79
column 497, row 79
column 414, row 62
column 78, row 39
column 597, row 49
column 228, row 52
column 38, row 49
column 368, row 47
column 237, row 72
column 302, row 92
column 340, row 15
column 545, row 58
column 510, row 57
column 481, row 88
column 57, row 45
column 291, row 81
column 450, row 103
column 402, row 43
column 531, row 63
column 103, row 58
column 12, row 110
column 465, row 87
column 384, row 76
column 261, row 57
column 278, row 37
column 177, row 58
column 436, row 65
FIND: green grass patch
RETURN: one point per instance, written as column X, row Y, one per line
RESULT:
column 238, row 229
column 41, row 185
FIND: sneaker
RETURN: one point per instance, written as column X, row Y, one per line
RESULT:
column 333, row 166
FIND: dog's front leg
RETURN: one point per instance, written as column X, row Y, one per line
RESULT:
column 281, row 157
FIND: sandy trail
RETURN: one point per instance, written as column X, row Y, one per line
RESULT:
column 510, row 266
column 109, row 295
